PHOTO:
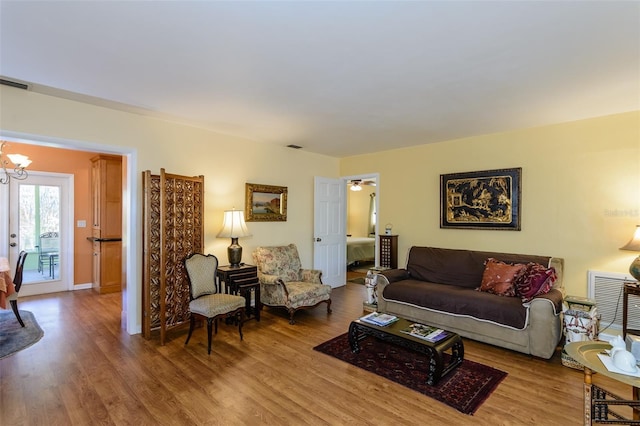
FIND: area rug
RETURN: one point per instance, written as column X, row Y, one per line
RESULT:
column 13, row 337
column 464, row 389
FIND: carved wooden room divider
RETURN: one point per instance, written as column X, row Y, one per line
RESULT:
column 173, row 229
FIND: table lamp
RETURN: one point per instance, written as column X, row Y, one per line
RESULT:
column 634, row 245
column 234, row 227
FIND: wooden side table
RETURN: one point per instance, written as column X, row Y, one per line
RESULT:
column 600, row 405
column 242, row 280
column 634, row 289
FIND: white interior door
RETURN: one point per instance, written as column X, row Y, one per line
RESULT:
column 39, row 222
column 330, row 233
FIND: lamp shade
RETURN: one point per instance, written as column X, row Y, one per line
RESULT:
column 233, row 225
column 634, row 245
column 634, row 242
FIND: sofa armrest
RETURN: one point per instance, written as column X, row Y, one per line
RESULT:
column 273, row 280
column 311, row 276
column 268, row 279
column 545, row 325
column 393, row 275
column 554, row 297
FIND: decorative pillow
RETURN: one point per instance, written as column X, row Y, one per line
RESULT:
column 498, row 277
column 534, row 281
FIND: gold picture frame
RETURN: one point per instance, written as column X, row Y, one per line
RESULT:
column 265, row 203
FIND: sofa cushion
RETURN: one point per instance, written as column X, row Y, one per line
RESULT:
column 498, row 277
column 534, row 281
column 507, row 311
column 458, row 267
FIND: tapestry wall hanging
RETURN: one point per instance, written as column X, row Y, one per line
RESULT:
column 488, row 199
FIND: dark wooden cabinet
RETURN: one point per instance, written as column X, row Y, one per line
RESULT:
column 242, row 280
column 388, row 251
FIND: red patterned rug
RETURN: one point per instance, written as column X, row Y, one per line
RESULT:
column 464, row 389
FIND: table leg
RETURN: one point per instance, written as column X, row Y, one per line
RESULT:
column 587, row 396
column 636, row 397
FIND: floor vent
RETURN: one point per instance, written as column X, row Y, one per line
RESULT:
column 606, row 289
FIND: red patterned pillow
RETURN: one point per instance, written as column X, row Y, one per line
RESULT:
column 498, row 277
column 534, row 281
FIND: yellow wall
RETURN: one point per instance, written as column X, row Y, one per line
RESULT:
column 580, row 192
column 580, row 188
column 226, row 162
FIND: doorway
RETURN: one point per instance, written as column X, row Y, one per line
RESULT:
column 362, row 221
column 40, row 214
column 131, row 293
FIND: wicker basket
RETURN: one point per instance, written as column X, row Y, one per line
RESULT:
column 567, row 361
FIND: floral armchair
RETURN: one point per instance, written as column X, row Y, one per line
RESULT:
column 283, row 282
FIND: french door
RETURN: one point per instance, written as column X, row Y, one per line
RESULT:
column 39, row 217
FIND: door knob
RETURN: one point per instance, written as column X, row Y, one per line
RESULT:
column 318, row 239
column 13, row 244
column 13, row 235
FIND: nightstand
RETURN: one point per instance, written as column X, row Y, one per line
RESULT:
column 242, row 280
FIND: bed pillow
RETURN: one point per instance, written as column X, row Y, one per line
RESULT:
column 498, row 277
column 534, row 281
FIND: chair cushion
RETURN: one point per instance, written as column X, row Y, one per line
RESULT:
column 216, row 304
column 282, row 261
column 306, row 294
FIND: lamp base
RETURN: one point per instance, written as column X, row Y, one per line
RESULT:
column 234, row 252
column 634, row 268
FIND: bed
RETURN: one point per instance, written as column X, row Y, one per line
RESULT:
column 360, row 249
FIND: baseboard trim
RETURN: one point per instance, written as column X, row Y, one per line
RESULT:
column 82, row 286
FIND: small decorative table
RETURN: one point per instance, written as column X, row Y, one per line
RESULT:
column 392, row 333
column 597, row 407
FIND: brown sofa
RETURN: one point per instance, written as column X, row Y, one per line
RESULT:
column 438, row 287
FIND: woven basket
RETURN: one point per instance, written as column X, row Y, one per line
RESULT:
column 567, row 361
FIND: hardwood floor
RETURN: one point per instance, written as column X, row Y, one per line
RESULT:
column 87, row 370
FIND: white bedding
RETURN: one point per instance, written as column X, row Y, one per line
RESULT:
column 360, row 248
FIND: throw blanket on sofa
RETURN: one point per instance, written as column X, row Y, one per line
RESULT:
column 440, row 280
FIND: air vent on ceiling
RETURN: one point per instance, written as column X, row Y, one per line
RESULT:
column 14, row 84
column 294, row 146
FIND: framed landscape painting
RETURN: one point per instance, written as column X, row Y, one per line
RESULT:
column 488, row 199
column 265, row 203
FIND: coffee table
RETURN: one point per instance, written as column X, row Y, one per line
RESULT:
column 392, row 333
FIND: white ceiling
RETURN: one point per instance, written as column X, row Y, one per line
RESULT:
column 338, row 78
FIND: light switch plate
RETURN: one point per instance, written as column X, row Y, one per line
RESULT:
column 82, row 224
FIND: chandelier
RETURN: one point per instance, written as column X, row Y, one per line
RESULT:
column 20, row 163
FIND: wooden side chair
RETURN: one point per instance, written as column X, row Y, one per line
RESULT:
column 284, row 283
column 17, row 282
column 207, row 300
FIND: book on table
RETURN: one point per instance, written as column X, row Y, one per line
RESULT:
column 378, row 318
column 426, row 332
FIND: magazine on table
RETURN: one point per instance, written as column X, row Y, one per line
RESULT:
column 378, row 318
column 426, row 332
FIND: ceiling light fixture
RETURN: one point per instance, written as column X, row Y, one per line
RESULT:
column 20, row 162
column 355, row 186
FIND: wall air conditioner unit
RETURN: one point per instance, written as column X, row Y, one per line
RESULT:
column 606, row 288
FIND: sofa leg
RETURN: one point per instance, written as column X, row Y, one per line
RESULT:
column 329, row 306
column 291, row 313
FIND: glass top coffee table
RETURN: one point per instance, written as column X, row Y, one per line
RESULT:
column 392, row 333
